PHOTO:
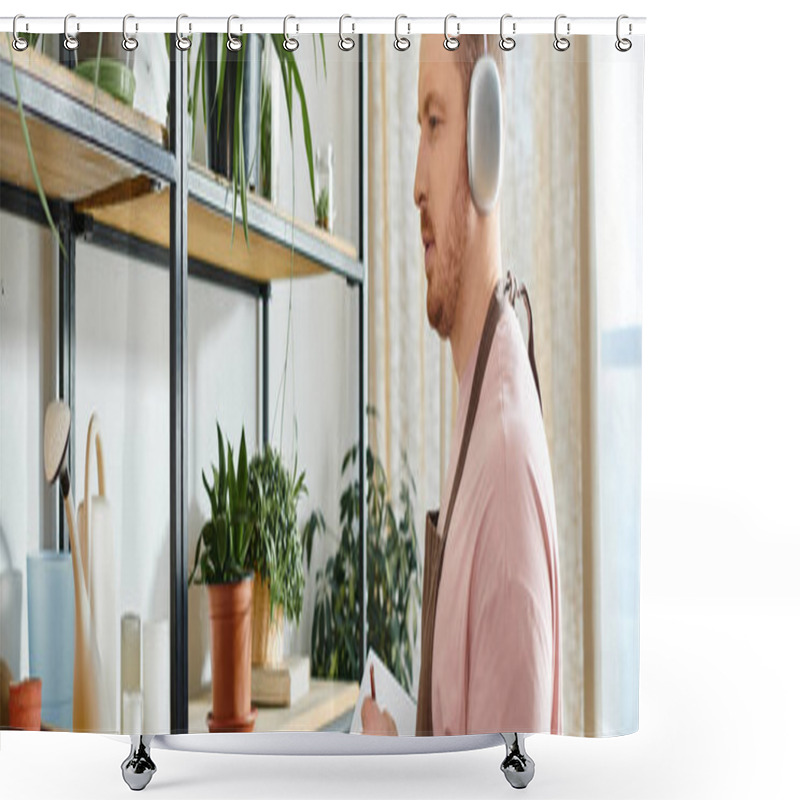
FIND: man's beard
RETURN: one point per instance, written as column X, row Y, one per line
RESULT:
column 445, row 284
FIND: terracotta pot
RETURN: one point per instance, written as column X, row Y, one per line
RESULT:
column 267, row 634
column 25, row 704
column 230, row 609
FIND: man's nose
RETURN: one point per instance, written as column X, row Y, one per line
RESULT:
column 420, row 187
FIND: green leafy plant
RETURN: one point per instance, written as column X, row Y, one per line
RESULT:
column 393, row 578
column 222, row 548
column 292, row 84
column 275, row 550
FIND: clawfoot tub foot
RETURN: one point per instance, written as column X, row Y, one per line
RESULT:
column 138, row 768
column 517, row 766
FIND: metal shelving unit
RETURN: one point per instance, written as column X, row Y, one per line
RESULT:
column 110, row 174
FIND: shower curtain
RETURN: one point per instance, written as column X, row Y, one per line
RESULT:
column 339, row 278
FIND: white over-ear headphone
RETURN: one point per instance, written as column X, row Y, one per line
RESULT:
column 485, row 133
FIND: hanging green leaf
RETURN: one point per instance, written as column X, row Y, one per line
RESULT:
column 29, row 149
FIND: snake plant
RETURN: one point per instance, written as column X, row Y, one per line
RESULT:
column 224, row 541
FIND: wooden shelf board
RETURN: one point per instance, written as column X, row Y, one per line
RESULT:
column 141, row 208
column 70, row 169
column 325, row 701
column 119, row 195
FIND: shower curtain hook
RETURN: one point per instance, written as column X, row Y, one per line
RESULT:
column 70, row 41
column 401, row 42
column 289, row 42
column 345, row 42
column 451, row 42
column 561, row 43
column 128, row 42
column 18, row 43
column 623, row 45
column 182, row 42
column 507, row 42
column 234, row 42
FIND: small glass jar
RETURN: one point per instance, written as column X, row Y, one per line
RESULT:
column 323, row 177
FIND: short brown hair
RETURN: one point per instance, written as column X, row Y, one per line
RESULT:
column 471, row 47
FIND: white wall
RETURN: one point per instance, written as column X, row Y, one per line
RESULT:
column 28, row 281
column 122, row 369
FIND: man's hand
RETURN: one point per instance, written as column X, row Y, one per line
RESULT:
column 375, row 721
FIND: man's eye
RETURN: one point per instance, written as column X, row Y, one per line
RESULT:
column 433, row 121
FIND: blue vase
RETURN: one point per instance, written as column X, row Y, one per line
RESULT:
column 51, row 632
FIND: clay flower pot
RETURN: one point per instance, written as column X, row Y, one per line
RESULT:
column 267, row 634
column 230, row 609
column 25, row 704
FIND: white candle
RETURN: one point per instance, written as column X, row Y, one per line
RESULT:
column 156, row 677
column 131, row 648
column 132, row 712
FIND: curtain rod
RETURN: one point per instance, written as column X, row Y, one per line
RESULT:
column 306, row 25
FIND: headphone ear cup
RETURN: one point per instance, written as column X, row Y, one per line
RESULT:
column 485, row 134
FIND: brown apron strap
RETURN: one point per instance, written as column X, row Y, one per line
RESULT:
column 517, row 289
column 492, row 318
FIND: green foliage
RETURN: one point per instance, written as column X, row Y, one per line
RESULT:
column 225, row 538
column 293, row 84
column 275, row 549
column 265, row 125
column 322, row 208
column 393, row 578
column 32, row 40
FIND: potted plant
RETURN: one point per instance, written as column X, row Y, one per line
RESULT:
column 233, row 91
column 393, row 578
column 221, row 556
column 275, row 553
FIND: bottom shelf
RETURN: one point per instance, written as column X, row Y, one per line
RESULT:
column 324, row 703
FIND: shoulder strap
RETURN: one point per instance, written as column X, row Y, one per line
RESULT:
column 517, row 289
column 492, row 317
column 514, row 289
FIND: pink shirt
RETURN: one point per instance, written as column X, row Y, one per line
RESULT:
column 496, row 651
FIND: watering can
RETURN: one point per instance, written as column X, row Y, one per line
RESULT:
column 94, row 576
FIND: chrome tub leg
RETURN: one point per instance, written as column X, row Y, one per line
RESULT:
column 517, row 766
column 138, row 768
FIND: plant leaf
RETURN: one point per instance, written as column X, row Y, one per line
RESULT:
column 306, row 124
column 29, row 148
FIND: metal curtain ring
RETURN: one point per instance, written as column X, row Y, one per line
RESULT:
column 345, row 42
column 451, row 42
column 182, row 42
column 18, row 43
column 561, row 43
column 401, row 42
column 234, row 42
column 623, row 45
column 289, row 42
column 128, row 42
column 70, row 41
column 507, row 42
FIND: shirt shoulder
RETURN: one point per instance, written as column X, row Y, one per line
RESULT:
column 513, row 445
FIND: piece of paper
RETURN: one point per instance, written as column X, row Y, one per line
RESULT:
column 389, row 695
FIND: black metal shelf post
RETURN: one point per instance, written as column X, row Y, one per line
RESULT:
column 266, row 295
column 362, row 339
column 178, row 383
column 66, row 343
